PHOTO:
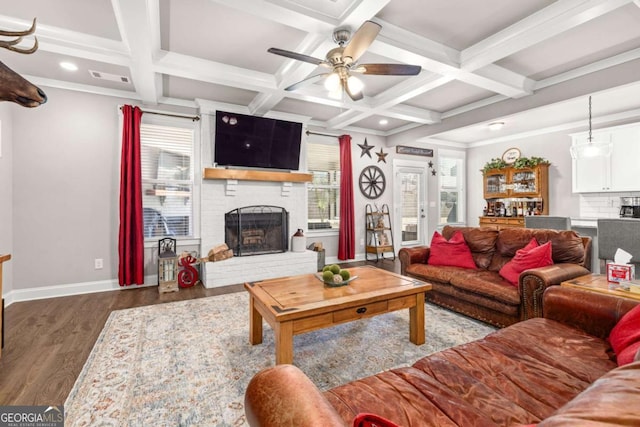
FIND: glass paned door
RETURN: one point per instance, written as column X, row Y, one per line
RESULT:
column 410, row 200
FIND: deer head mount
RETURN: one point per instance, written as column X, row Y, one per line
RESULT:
column 14, row 87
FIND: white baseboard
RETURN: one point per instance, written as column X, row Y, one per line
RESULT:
column 30, row 294
column 44, row 292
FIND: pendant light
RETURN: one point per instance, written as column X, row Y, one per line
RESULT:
column 590, row 148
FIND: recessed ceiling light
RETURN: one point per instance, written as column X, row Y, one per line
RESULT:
column 496, row 125
column 69, row 66
column 384, row 122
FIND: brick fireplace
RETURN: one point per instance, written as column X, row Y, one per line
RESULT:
column 221, row 197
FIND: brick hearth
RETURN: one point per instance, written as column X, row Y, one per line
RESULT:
column 222, row 196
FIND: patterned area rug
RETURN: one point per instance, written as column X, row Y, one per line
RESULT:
column 188, row 363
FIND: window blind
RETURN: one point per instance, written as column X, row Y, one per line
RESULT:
column 167, row 156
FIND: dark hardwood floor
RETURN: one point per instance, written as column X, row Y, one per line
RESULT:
column 48, row 341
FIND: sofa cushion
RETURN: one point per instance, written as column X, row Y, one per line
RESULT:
column 487, row 283
column 435, row 273
column 481, row 242
column 453, row 252
column 531, row 256
column 567, row 244
column 612, row 400
column 625, row 334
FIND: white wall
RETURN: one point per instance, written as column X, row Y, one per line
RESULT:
column 6, row 192
column 553, row 147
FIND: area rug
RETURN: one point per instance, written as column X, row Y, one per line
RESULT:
column 188, row 363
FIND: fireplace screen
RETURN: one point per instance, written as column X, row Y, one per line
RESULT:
column 256, row 230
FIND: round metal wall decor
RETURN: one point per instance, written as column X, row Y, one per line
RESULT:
column 372, row 182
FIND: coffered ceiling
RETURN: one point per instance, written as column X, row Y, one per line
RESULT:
column 529, row 63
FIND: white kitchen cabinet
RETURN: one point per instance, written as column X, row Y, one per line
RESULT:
column 625, row 159
column 616, row 173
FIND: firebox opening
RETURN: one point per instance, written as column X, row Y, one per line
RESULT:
column 257, row 230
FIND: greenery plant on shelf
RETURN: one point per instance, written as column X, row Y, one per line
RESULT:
column 496, row 163
column 522, row 162
column 529, row 162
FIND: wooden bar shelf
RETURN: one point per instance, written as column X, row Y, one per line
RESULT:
column 251, row 175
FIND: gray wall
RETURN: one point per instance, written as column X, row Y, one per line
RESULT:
column 65, row 201
column 6, row 191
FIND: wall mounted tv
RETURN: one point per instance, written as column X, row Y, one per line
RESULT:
column 248, row 141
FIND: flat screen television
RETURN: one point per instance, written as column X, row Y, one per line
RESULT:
column 259, row 142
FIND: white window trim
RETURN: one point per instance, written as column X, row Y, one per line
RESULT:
column 322, row 232
column 462, row 210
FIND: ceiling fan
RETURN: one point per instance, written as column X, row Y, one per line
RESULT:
column 343, row 61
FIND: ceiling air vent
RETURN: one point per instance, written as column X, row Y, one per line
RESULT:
column 107, row 76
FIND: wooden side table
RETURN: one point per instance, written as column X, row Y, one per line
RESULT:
column 3, row 258
column 599, row 283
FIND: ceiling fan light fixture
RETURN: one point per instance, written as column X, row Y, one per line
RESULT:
column 355, row 84
column 590, row 148
column 332, row 82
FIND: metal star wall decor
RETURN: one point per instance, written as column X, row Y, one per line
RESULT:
column 433, row 172
column 430, row 164
column 382, row 156
column 366, row 148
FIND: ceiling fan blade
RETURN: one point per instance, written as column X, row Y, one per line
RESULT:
column 388, row 69
column 307, row 81
column 295, row 55
column 355, row 96
column 361, row 40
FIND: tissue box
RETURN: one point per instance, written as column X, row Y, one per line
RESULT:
column 620, row 272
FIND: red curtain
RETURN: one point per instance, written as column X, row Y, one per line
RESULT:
column 347, row 235
column 131, row 237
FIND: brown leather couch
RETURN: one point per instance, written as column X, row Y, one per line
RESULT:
column 555, row 371
column 483, row 294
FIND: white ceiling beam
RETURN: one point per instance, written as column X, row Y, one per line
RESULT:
column 189, row 67
column 555, row 19
column 621, row 58
column 499, row 80
column 65, row 42
column 404, row 46
column 362, row 10
column 139, row 24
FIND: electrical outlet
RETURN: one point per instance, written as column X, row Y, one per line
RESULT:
column 362, row 242
column 98, row 264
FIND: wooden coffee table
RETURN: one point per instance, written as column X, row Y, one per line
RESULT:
column 298, row 304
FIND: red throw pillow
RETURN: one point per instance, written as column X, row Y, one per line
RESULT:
column 531, row 256
column 627, row 355
column 453, row 252
column 372, row 420
column 626, row 334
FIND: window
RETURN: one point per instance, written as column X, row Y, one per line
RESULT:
column 323, row 161
column 168, row 165
column 451, row 167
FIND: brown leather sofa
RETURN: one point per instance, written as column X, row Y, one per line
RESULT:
column 483, row 294
column 554, row 371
